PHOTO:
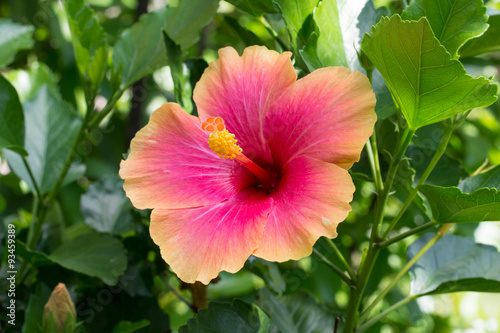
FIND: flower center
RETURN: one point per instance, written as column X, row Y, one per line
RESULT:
column 224, row 144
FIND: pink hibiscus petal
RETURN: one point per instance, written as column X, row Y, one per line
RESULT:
column 310, row 200
column 198, row 243
column 328, row 115
column 240, row 90
column 171, row 166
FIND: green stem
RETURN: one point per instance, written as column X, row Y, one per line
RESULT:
column 372, row 151
column 408, row 233
column 33, row 180
column 339, row 255
column 332, row 266
column 391, row 175
column 441, row 232
column 384, row 313
column 437, row 155
column 106, row 110
column 367, row 265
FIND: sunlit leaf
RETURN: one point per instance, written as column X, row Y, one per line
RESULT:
column 451, row 205
column 13, row 37
column 93, row 254
column 453, row 264
column 325, row 47
column 487, row 42
column 298, row 19
column 186, row 21
column 140, row 50
column 454, row 22
column 254, row 7
column 89, row 42
column 425, row 82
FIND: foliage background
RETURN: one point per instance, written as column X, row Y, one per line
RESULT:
column 302, row 296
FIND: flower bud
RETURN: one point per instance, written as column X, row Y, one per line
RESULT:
column 59, row 314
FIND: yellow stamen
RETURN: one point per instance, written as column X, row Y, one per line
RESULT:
column 224, row 144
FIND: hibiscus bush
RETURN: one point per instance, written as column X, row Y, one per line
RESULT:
column 249, row 166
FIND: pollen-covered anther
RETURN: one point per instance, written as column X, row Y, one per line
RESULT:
column 224, row 144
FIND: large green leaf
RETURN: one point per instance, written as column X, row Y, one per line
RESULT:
column 51, row 130
column 105, row 207
column 487, row 42
column 140, row 50
column 187, row 19
column 451, row 205
column 89, row 42
column 254, row 7
column 491, row 178
column 93, row 254
column 11, row 117
column 425, row 82
column 454, row 264
column 222, row 317
column 13, row 37
column 454, row 22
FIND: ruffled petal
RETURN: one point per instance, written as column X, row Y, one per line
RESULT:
column 198, row 243
column 328, row 115
column 240, row 90
column 310, row 200
column 171, row 166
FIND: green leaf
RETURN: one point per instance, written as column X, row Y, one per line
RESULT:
column 89, row 42
column 220, row 317
column 11, row 117
column 486, row 43
column 425, row 82
column 254, row 7
column 325, row 46
column 245, row 35
column 298, row 19
column 296, row 313
column 140, row 50
column 186, row 21
column 174, row 54
column 93, row 254
column 105, row 208
column 129, row 327
column 13, row 37
column 34, row 258
column 34, row 311
column 454, row 264
column 28, row 82
column 454, row 22
column 269, row 271
column 451, row 205
column 51, row 129
column 491, row 178
column 447, row 172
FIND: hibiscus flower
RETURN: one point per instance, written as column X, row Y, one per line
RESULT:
column 262, row 171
